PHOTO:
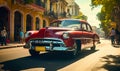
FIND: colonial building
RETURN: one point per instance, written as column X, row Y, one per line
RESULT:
column 18, row 14
column 72, row 8
column 55, row 9
column 15, row 15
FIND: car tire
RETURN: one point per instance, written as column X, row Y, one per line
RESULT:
column 93, row 48
column 77, row 46
column 33, row 53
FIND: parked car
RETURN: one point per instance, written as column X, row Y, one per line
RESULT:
column 63, row 35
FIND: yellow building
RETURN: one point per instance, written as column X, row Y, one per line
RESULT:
column 55, row 9
column 15, row 16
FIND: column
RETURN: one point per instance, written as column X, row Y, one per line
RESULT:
column 24, row 23
column 34, row 23
column 41, row 22
column 40, row 19
column 12, row 26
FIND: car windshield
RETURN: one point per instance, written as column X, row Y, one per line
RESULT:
column 70, row 24
column 67, row 23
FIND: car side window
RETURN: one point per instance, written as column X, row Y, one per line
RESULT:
column 84, row 27
column 89, row 28
column 55, row 24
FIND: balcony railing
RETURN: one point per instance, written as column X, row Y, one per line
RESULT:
column 50, row 14
column 22, row 1
column 37, row 2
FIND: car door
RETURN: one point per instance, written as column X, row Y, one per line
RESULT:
column 87, row 35
column 84, row 35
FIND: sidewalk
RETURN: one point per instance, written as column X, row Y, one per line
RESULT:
column 11, row 45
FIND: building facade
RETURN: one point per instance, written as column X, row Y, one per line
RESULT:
column 15, row 15
column 72, row 8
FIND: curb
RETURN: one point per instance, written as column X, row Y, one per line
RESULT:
column 11, row 46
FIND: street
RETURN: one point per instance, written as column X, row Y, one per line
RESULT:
column 104, row 58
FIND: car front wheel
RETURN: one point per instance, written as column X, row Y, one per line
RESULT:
column 34, row 53
column 93, row 48
column 77, row 48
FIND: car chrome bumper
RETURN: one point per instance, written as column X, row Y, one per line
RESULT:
column 47, row 44
column 46, row 48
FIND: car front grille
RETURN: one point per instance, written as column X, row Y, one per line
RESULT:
column 47, row 42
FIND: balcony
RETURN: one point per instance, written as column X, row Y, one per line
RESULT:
column 50, row 14
column 35, row 7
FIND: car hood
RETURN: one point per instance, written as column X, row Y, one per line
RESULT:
column 58, row 31
column 53, row 31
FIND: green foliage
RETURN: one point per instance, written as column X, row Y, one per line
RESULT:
column 81, row 16
column 101, row 16
column 108, row 12
column 105, row 20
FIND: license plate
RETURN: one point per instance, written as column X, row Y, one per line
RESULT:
column 40, row 48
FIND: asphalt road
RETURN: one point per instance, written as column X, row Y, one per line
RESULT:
column 104, row 58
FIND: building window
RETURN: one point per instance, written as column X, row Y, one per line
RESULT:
column 37, row 23
column 44, row 23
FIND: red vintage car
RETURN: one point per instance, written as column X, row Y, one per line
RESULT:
column 63, row 35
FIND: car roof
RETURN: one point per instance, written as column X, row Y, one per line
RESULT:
column 69, row 19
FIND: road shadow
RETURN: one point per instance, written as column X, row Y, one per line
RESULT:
column 49, row 61
column 112, row 62
column 117, row 46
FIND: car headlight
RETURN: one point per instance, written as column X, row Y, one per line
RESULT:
column 28, row 34
column 66, row 35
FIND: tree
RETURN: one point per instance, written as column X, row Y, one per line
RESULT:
column 81, row 16
column 105, row 23
column 110, row 11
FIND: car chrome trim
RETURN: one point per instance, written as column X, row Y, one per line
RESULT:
column 82, row 38
column 51, row 44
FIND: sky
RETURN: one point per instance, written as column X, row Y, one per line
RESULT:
column 91, row 14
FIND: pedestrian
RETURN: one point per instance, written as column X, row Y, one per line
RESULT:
column 3, row 36
column 117, row 37
column 21, row 36
column 112, row 36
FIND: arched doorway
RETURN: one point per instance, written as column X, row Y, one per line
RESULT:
column 17, row 25
column 4, row 19
column 44, row 23
column 37, row 23
column 29, row 23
